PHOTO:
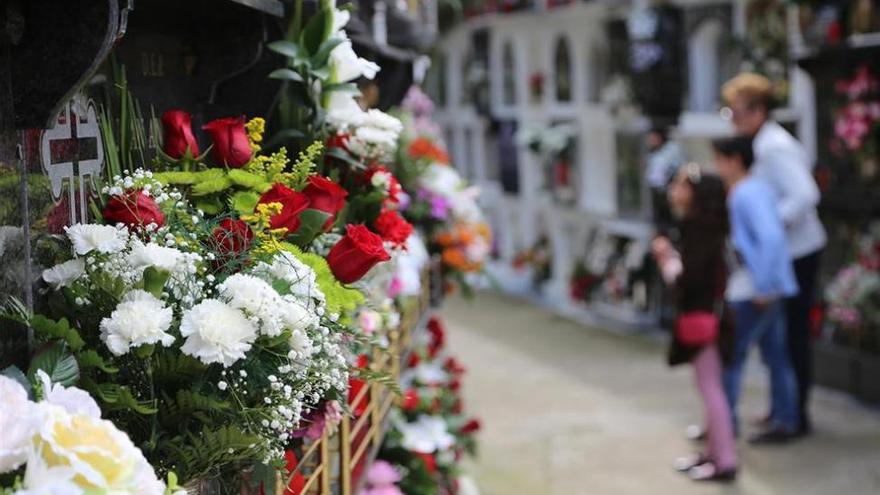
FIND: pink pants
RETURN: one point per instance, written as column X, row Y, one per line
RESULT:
column 720, row 442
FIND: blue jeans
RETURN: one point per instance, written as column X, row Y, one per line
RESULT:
column 767, row 328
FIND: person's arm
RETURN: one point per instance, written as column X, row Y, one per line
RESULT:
column 760, row 239
column 799, row 195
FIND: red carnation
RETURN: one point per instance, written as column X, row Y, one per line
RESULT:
column 231, row 145
column 392, row 227
column 177, row 125
column 232, row 237
column 389, row 183
column 292, row 204
column 430, row 462
column 134, row 209
column 356, row 253
column 327, row 196
column 453, row 366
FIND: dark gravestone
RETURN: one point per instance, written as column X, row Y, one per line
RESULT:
column 204, row 56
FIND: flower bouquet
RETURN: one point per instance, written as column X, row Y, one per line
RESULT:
column 856, row 121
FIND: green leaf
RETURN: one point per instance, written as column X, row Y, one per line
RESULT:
column 251, row 181
column 283, row 136
column 317, row 30
column 90, row 359
column 154, row 280
column 56, row 362
column 311, row 225
column 286, row 75
column 244, row 202
column 345, row 157
column 117, row 397
column 287, row 48
column 60, row 329
column 323, row 55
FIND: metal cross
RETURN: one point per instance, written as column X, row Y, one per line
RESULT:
column 76, row 133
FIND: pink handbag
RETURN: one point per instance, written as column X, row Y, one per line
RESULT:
column 695, row 328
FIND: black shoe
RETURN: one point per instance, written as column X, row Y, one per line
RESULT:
column 774, row 436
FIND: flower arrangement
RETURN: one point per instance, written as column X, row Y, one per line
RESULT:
column 857, row 118
column 430, row 433
column 218, row 307
column 853, row 296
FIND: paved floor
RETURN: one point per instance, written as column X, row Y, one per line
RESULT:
column 570, row 410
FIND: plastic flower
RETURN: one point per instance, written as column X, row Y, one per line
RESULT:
column 18, row 421
column 140, row 319
column 74, row 400
column 216, row 333
column 100, row 458
column 101, row 238
column 64, row 274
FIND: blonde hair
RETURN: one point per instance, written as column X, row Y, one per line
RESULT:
column 756, row 88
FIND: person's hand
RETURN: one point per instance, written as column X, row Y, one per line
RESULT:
column 661, row 248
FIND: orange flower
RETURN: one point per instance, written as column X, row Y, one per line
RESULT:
column 424, row 148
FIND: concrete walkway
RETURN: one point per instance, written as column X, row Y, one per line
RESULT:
column 569, row 410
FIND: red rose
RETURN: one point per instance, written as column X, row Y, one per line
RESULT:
column 293, row 203
column 356, row 253
column 133, row 209
column 410, row 400
column 392, row 227
column 231, row 145
column 414, row 360
column 453, row 366
column 471, row 426
column 327, row 196
column 232, row 237
column 178, row 134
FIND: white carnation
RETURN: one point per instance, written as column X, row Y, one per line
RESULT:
column 381, row 120
column 153, row 255
column 256, row 298
column 428, row 434
column 343, row 111
column 102, row 238
column 141, row 318
column 216, row 333
column 296, row 316
column 64, row 274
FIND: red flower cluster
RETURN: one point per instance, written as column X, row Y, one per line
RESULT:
column 232, row 237
column 392, row 227
column 229, row 138
column 393, row 190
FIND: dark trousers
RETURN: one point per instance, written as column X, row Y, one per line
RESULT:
column 797, row 308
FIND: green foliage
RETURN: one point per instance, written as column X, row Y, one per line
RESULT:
column 154, row 280
column 199, row 453
column 380, row 377
column 90, row 360
column 115, row 397
column 57, row 362
column 174, row 368
column 311, row 226
column 186, row 405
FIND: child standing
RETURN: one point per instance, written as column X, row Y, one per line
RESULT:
column 761, row 278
